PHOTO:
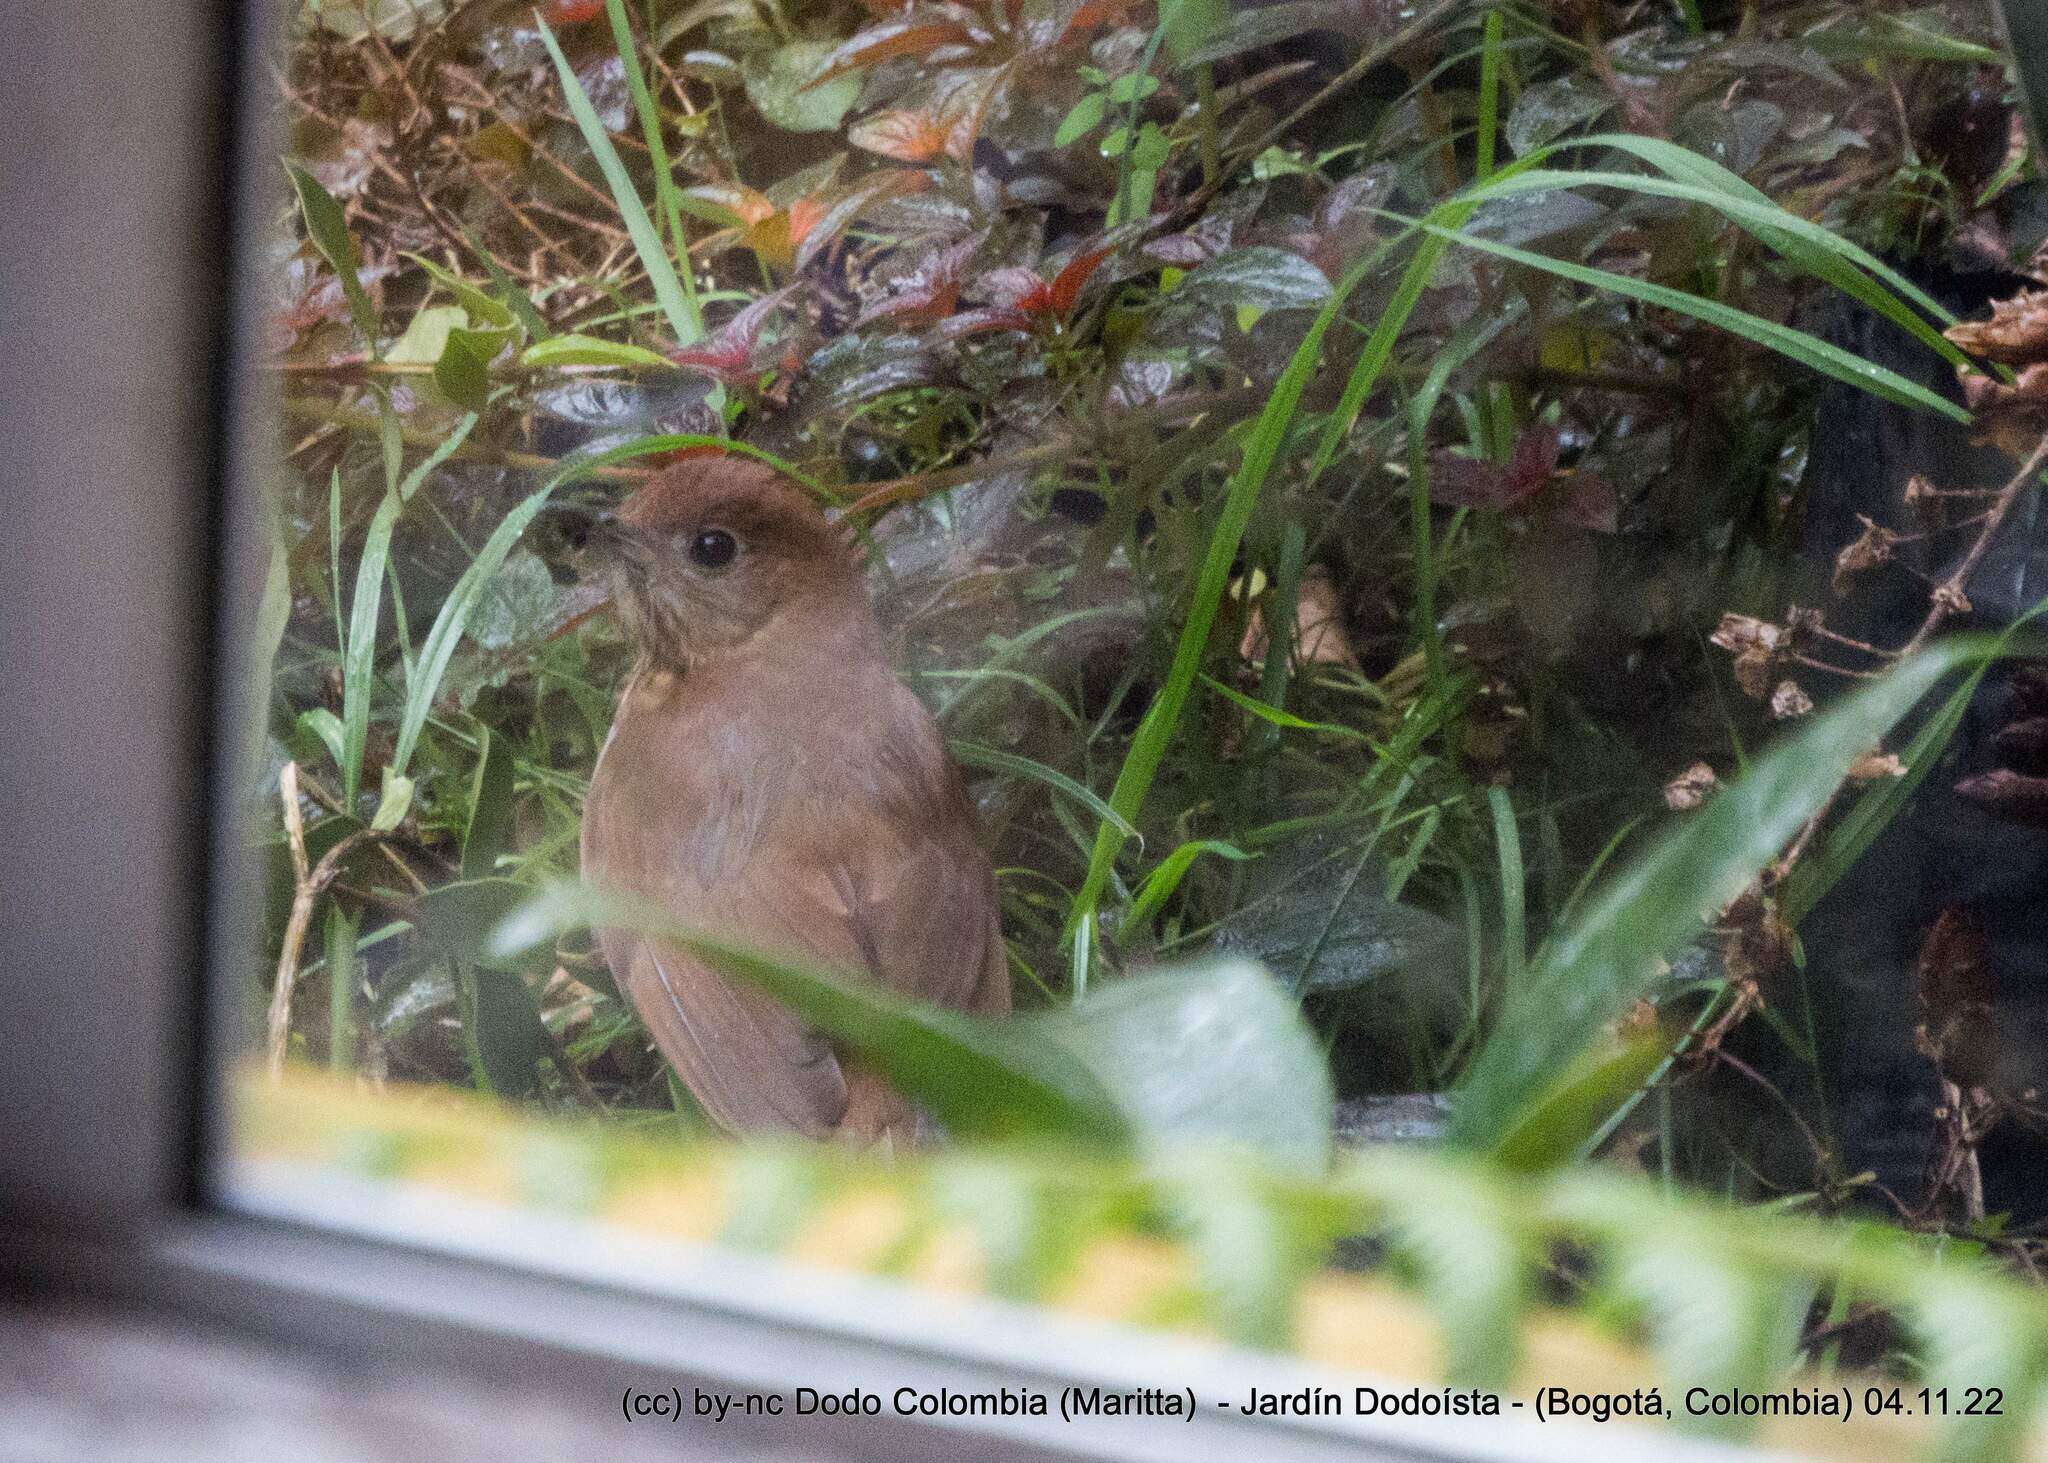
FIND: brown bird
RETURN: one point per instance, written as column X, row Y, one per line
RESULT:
column 770, row 782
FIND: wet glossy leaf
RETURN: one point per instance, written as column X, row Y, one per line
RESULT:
column 1259, row 277
column 1318, row 916
column 501, row 1031
column 912, row 35
column 1550, row 109
column 907, row 136
column 857, row 368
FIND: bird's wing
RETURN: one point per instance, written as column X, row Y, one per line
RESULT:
column 747, row 1059
column 916, row 888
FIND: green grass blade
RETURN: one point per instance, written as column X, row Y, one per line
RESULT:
column 980, row 1078
column 1162, row 881
column 668, row 290
column 989, row 759
column 666, row 194
column 1489, row 97
column 1824, row 255
column 359, row 650
column 1514, row 931
column 1850, row 838
column 1797, row 345
column 453, row 619
column 342, row 928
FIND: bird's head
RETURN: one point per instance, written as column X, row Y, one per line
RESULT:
column 714, row 551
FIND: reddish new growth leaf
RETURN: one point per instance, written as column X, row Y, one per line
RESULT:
column 1066, row 285
column 1473, row 482
column 908, row 137
column 910, row 34
column 732, row 353
column 1512, row 486
column 1019, row 296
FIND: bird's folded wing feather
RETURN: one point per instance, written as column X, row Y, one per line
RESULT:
column 746, row 1058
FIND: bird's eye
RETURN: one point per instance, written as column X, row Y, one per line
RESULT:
column 714, row 548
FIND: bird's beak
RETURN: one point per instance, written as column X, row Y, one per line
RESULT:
column 591, row 529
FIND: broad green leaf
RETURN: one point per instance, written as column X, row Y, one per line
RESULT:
column 1206, row 1055
column 501, row 1031
column 489, row 831
column 482, row 307
column 1214, row 1052
column 779, row 85
column 394, row 20
column 987, row 1079
column 1083, row 118
column 393, row 803
column 325, row 725
column 342, row 928
column 463, row 371
column 328, row 230
column 426, row 336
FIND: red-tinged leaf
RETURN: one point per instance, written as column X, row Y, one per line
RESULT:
column 976, row 322
column 926, row 302
column 962, row 104
column 1017, row 288
column 908, row 137
column 804, row 215
column 1532, row 462
column 743, row 207
column 1066, row 285
column 1044, row 23
column 832, row 221
column 1097, row 12
column 572, row 12
column 904, row 36
column 731, row 352
column 932, row 291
